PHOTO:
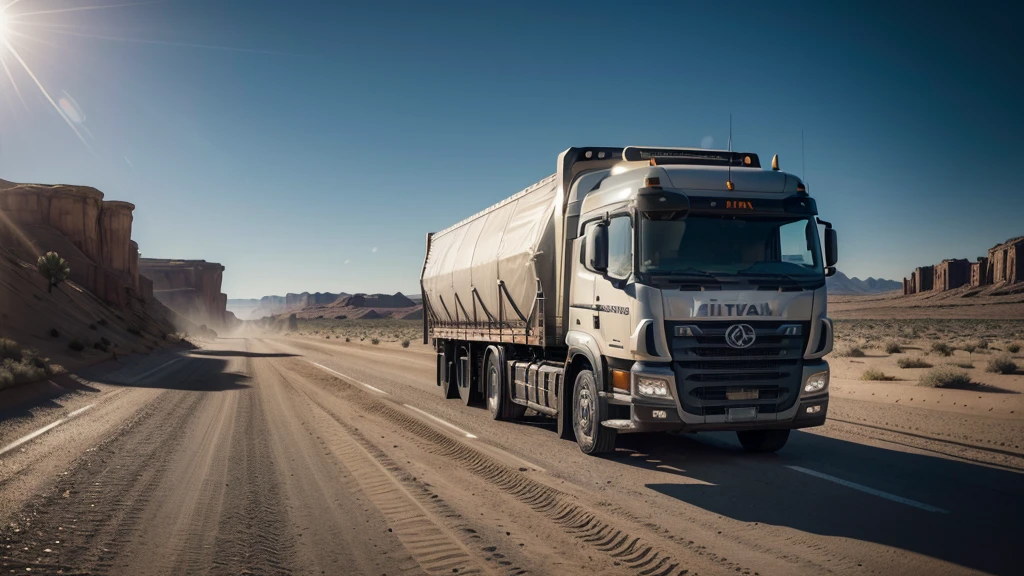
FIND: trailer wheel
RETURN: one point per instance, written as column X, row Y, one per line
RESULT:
column 763, row 440
column 587, row 412
column 464, row 370
column 499, row 399
column 446, row 372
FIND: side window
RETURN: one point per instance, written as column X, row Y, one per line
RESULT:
column 793, row 241
column 620, row 247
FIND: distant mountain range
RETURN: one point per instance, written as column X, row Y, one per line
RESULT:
column 843, row 284
column 328, row 305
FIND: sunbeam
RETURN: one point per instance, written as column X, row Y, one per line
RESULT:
column 42, row 89
column 84, row 8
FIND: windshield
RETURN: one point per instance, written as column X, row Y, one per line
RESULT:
column 731, row 245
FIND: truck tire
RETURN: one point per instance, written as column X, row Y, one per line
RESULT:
column 465, row 376
column 446, row 375
column 499, row 399
column 763, row 440
column 588, row 410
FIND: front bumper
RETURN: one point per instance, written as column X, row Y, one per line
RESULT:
column 657, row 414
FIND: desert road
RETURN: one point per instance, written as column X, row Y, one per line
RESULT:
column 304, row 456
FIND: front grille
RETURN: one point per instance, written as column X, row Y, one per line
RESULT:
column 707, row 368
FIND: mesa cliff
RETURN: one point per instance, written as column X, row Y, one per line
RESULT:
column 191, row 288
column 92, row 234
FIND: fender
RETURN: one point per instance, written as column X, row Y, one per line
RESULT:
column 583, row 345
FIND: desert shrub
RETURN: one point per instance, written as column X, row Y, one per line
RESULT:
column 374, row 340
column 105, row 341
column 328, row 337
column 850, row 352
column 1013, row 348
column 135, row 331
column 942, row 348
column 93, row 327
column 38, row 362
column 982, row 344
column 1001, row 365
column 100, row 346
column 875, row 375
column 347, row 339
column 969, row 348
column 54, row 268
column 405, row 343
column 912, row 363
column 76, row 345
column 945, row 378
column 54, row 333
column 10, row 350
column 893, row 347
column 964, row 365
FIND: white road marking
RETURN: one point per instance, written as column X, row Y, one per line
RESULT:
column 151, row 372
column 439, row 421
column 322, row 367
column 869, row 490
column 42, row 430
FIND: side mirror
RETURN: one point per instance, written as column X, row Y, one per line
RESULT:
column 830, row 271
column 831, row 247
column 597, row 248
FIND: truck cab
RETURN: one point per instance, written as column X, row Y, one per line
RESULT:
column 699, row 279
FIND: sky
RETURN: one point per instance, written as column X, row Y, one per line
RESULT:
column 310, row 146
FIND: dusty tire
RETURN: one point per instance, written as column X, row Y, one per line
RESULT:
column 760, row 441
column 447, row 385
column 464, row 380
column 497, row 392
column 587, row 412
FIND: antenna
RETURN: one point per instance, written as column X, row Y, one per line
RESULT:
column 803, row 158
column 728, row 183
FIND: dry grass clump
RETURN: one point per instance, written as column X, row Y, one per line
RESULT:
column 872, row 374
column 22, row 366
column 1013, row 348
column 942, row 348
column 945, row 377
column 405, row 343
column 893, row 347
column 375, row 341
column 912, row 363
column 1001, row 365
column 850, row 352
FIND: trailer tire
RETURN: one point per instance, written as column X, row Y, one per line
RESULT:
column 760, row 441
column 447, row 388
column 497, row 389
column 464, row 381
column 588, row 410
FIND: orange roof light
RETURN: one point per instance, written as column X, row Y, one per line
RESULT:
column 653, row 182
column 746, row 160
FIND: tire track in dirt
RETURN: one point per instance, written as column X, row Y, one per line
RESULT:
column 434, row 548
column 564, row 510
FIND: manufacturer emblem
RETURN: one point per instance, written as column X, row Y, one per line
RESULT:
column 740, row 335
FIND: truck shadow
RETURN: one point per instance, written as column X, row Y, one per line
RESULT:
column 240, row 354
column 976, row 526
column 191, row 373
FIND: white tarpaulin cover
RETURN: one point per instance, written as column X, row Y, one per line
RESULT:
column 512, row 241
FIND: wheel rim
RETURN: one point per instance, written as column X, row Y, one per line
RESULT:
column 492, row 389
column 585, row 413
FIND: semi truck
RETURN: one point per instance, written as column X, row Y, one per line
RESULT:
column 639, row 289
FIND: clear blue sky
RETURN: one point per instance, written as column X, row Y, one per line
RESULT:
column 317, row 152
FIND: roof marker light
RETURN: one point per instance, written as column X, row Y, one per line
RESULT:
column 775, row 162
column 600, row 154
column 589, row 154
column 652, row 182
column 746, row 160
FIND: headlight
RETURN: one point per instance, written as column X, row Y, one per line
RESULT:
column 655, row 387
column 816, row 382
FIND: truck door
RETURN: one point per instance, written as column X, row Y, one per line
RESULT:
column 582, row 312
column 610, row 297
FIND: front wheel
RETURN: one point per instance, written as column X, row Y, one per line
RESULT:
column 763, row 440
column 587, row 413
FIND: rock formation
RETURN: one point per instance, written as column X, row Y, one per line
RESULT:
column 1001, row 266
column 92, row 234
column 190, row 288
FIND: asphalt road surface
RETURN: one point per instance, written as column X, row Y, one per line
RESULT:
column 301, row 456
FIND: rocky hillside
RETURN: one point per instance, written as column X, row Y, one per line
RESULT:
column 842, row 284
column 104, row 307
column 331, row 306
